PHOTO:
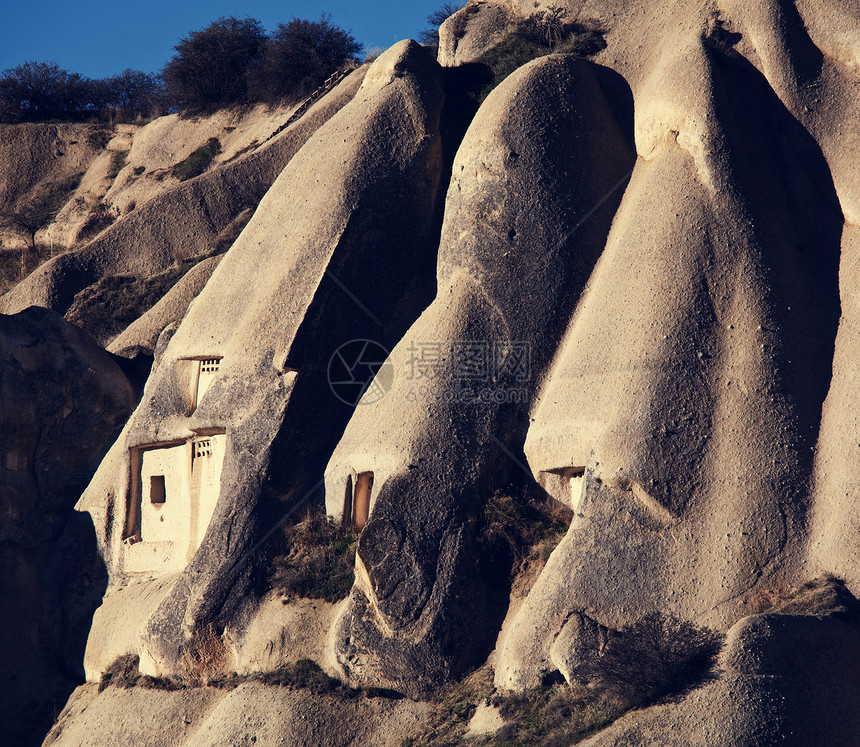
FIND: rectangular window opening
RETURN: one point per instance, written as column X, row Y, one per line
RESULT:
column 361, row 500
column 347, row 502
column 157, row 490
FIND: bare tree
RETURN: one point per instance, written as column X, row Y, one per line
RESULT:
column 429, row 37
column 28, row 218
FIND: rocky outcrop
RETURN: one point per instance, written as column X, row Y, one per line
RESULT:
column 62, row 403
column 37, row 155
column 211, row 716
column 787, row 680
column 517, row 246
column 472, row 30
column 339, row 249
column 178, row 224
column 643, row 306
column 729, row 279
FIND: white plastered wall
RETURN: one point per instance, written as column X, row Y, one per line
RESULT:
column 170, row 532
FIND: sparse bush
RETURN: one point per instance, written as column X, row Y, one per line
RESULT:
column 429, row 36
column 319, row 563
column 555, row 716
column 29, row 215
column 100, row 218
column 202, row 660
column 299, row 57
column 124, row 672
column 16, row 264
column 305, row 674
column 655, row 656
column 210, row 67
column 546, row 28
column 515, row 528
column 825, row 595
column 118, row 160
column 98, row 139
column 106, row 308
column 205, row 657
column 372, row 53
column 200, row 160
column 541, row 34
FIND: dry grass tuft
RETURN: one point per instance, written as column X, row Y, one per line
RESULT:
column 319, row 562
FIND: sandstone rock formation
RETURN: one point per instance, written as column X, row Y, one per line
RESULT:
column 358, row 202
column 515, row 253
column 179, row 223
column 643, row 305
column 699, row 436
column 62, row 403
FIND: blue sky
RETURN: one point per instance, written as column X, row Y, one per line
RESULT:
column 98, row 38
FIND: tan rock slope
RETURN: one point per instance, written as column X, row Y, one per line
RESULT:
column 357, row 201
column 695, row 402
column 513, row 259
column 177, row 223
column 643, row 308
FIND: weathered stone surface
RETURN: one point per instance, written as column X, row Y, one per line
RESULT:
column 63, row 401
column 251, row 714
column 471, row 31
column 180, row 223
column 517, row 246
column 687, row 371
column 339, row 249
column 784, row 680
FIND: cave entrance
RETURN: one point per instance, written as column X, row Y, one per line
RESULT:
column 356, row 502
column 564, row 484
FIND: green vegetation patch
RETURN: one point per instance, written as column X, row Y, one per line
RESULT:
column 825, row 595
column 107, row 307
column 319, row 562
column 200, row 160
column 523, row 527
column 540, row 34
